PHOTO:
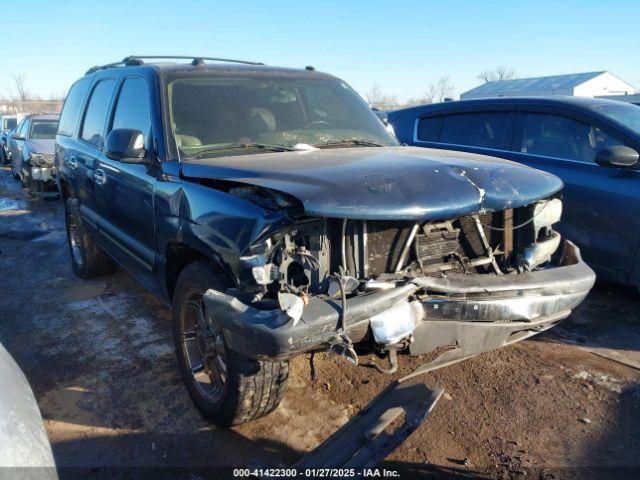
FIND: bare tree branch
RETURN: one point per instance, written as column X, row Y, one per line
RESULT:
column 439, row 89
column 378, row 99
column 498, row 74
column 20, row 84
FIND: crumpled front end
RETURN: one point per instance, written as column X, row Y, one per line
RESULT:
column 470, row 284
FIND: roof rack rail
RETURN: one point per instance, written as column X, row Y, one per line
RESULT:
column 195, row 60
column 134, row 60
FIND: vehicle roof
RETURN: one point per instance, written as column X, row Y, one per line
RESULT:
column 221, row 67
column 555, row 100
column 530, row 86
column 43, row 116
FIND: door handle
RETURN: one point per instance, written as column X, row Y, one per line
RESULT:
column 99, row 176
column 72, row 162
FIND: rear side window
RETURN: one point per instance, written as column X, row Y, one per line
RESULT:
column 96, row 114
column 487, row 130
column 133, row 109
column 562, row 137
column 429, row 129
column 71, row 109
column 10, row 123
column 22, row 128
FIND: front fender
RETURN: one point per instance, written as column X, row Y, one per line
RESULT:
column 218, row 225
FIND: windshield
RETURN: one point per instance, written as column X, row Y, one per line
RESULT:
column 626, row 113
column 44, row 129
column 9, row 123
column 268, row 114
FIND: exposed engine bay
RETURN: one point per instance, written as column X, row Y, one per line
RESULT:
column 343, row 259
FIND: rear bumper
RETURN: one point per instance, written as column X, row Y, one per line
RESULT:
column 474, row 313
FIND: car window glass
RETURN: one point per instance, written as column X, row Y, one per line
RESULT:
column 487, row 130
column 71, row 109
column 95, row 116
column 213, row 111
column 43, row 129
column 10, row 123
column 562, row 137
column 429, row 129
column 133, row 110
column 23, row 128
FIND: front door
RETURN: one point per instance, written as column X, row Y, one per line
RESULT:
column 124, row 191
column 602, row 204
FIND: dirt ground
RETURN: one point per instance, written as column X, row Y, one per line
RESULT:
column 100, row 360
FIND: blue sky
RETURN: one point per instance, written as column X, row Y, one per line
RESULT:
column 400, row 45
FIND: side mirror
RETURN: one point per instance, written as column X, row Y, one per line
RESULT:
column 126, row 145
column 619, row 156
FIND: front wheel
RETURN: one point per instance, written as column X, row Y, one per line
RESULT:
column 225, row 386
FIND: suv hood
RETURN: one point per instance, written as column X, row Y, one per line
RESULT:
column 385, row 183
column 42, row 145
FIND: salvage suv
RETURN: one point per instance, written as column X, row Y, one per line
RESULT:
column 277, row 215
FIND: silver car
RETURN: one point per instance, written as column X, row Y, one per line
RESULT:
column 7, row 124
column 32, row 148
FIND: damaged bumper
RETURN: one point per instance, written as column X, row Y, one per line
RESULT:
column 470, row 313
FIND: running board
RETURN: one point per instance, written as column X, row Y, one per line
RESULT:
column 367, row 439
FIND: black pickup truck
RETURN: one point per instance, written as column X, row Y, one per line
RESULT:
column 277, row 215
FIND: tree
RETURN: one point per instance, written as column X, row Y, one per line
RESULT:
column 20, row 84
column 378, row 99
column 498, row 74
column 439, row 89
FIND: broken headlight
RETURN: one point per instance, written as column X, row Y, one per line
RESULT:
column 545, row 214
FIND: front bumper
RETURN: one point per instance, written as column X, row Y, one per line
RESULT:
column 471, row 313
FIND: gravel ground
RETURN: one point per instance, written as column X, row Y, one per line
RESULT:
column 100, row 360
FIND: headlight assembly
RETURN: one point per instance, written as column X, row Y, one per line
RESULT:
column 546, row 213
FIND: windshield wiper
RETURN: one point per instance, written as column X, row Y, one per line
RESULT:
column 243, row 146
column 348, row 142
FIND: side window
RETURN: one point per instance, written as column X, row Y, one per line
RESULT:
column 488, row 130
column 429, row 129
column 562, row 137
column 96, row 114
column 22, row 129
column 71, row 109
column 133, row 109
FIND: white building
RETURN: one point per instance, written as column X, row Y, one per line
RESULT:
column 590, row 84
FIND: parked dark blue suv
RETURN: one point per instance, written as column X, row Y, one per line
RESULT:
column 276, row 213
column 591, row 144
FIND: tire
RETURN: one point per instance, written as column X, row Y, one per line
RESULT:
column 88, row 260
column 13, row 172
column 239, row 389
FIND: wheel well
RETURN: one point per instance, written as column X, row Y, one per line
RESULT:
column 178, row 256
column 65, row 190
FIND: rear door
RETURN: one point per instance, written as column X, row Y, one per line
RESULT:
column 125, row 191
column 88, row 149
column 68, row 127
column 602, row 204
column 483, row 132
